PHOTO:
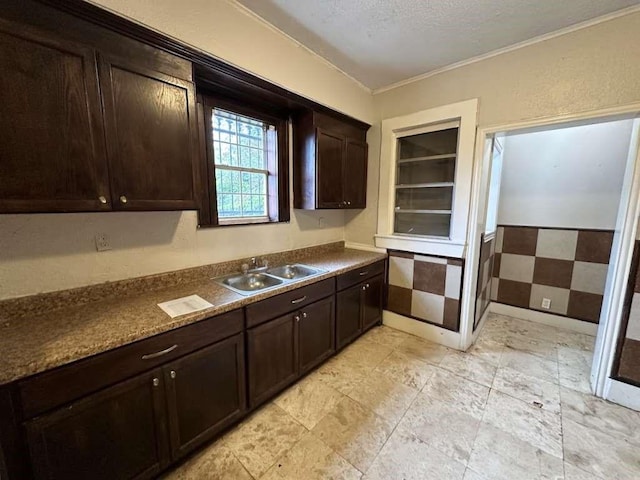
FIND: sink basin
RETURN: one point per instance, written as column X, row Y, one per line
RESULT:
column 250, row 282
column 291, row 272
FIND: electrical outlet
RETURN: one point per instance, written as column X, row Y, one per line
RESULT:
column 546, row 303
column 102, row 242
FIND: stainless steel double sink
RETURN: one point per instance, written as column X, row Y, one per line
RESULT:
column 260, row 281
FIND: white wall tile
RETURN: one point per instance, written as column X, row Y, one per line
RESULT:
column 559, row 244
column 499, row 239
column 424, row 258
column 518, row 268
column 633, row 328
column 452, row 282
column 401, row 272
column 427, row 306
column 589, row 277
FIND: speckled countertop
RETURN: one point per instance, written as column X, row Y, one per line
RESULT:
column 42, row 341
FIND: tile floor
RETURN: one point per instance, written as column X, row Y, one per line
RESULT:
column 392, row 406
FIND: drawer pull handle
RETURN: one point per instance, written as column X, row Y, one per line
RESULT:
column 364, row 273
column 149, row 356
column 298, row 300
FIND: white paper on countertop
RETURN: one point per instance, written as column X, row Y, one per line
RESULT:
column 184, row 305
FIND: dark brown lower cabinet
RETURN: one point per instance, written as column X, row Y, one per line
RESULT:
column 316, row 334
column 272, row 352
column 282, row 349
column 205, row 393
column 117, row 433
column 358, row 308
column 349, row 311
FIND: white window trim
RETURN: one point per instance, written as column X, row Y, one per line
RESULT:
column 420, row 122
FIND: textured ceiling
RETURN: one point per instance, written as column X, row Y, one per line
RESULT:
column 380, row 42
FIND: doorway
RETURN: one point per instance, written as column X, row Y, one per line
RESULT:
column 553, row 220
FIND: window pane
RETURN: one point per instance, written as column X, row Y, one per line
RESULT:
column 240, row 155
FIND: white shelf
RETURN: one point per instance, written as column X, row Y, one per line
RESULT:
column 425, row 185
column 429, row 157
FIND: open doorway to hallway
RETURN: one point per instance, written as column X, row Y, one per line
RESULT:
column 552, row 202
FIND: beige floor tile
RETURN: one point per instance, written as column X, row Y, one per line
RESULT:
column 341, row 374
column 262, row 438
column 386, row 397
column 423, row 350
column 215, row 462
column 580, row 341
column 465, row 395
column 499, row 455
column 366, row 354
column 312, row 459
column 530, row 364
column 406, row 457
column 540, row 428
column 539, row 348
column 574, row 368
column 387, row 336
column 471, row 475
column 308, row 401
column 488, row 350
column 469, row 367
column 593, row 412
column 406, row 369
column 354, row 432
column 600, row 454
column 444, row 427
column 574, row 473
column 529, row 389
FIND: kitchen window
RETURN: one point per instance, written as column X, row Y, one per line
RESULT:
column 247, row 165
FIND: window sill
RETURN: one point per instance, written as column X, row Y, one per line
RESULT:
column 424, row 245
column 224, row 225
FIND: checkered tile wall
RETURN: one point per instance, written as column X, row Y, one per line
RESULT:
column 485, row 276
column 425, row 288
column 628, row 356
column 567, row 266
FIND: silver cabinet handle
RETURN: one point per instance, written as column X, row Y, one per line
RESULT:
column 149, row 356
column 362, row 274
column 297, row 318
column 102, row 199
column 156, row 382
column 348, row 203
column 172, row 374
column 298, row 300
column 123, row 199
column 304, row 314
column 367, row 285
column 364, row 287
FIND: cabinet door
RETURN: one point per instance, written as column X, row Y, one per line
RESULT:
column 150, row 125
column 348, row 317
column 372, row 302
column 355, row 174
column 272, row 353
column 52, row 156
column 329, row 164
column 117, row 433
column 205, row 393
column 316, row 333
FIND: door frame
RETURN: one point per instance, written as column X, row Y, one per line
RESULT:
column 625, row 234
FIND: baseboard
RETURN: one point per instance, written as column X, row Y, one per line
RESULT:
column 545, row 318
column 364, row 246
column 623, row 394
column 424, row 330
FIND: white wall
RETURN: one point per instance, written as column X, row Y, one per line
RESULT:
column 589, row 69
column 566, row 177
column 40, row 253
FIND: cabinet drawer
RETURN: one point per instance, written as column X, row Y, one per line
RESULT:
column 65, row 384
column 287, row 302
column 359, row 274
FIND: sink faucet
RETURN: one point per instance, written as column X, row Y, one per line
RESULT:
column 253, row 265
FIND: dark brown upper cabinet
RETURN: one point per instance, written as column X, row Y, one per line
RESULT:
column 330, row 162
column 52, row 153
column 150, row 127
column 85, row 130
